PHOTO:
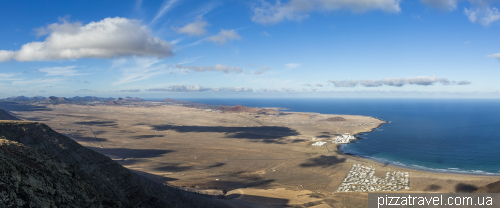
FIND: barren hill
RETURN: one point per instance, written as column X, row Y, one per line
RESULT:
column 42, row 168
column 4, row 115
column 490, row 188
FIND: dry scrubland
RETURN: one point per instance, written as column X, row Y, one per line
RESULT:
column 250, row 158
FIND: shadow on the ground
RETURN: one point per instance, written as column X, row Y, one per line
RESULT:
column 433, row 187
column 219, row 164
column 13, row 106
column 173, row 167
column 146, row 136
column 97, row 123
column 275, row 202
column 266, row 134
column 131, row 153
column 465, row 188
column 323, row 161
column 155, row 178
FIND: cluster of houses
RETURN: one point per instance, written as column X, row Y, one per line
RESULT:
column 213, row 110
column 361, row 179
column 343, row 139
column 318, row 143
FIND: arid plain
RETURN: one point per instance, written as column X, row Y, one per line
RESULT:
column 246, row 159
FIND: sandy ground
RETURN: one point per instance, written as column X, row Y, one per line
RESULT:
column 254, row 160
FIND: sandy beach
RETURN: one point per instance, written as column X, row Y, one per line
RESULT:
column 250, row 159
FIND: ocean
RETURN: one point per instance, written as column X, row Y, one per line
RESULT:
column 443, row 135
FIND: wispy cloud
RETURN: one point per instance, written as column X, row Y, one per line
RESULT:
column 66, row 71
column 132, row 90
column 297, row 10
column 224, row 36
column 217, row 68
column 232, row 89
column 484, row 16
column 38, row 82
column 181, row 88
column 196, row 28
column 396, row 82
column 268, row 90
column 137, row 69
column 292, row 65
column 263, row 69
column 167, row 6
column 441, row 4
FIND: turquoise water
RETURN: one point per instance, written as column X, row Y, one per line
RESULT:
column 449, row 135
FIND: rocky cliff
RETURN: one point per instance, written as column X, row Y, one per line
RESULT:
column 42, row 168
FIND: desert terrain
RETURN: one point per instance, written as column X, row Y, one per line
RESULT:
column 247, row 159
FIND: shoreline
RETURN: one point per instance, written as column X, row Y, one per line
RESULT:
column 406, row 167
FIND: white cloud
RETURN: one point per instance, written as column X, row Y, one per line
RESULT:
column 196, row 28
column 217, row 68
column 132, row 90
column 267, row 13
column 263, row 69
column 107, row 38
column 396, row 82
column 292, row 65
column 268, row 90
column 167, row 6
column 181, row 88
column 441, row 4
column 8, row 77
column 496, row 55
column 224, row 36
column 38, row 82
column 232, row 89
column 482, row 15
column 6, row 55
column 66, row 71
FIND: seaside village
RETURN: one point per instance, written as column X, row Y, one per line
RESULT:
column 361, row 178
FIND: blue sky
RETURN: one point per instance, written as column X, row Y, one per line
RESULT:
column 224, row 48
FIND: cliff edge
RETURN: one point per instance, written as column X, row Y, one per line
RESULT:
column 42, row 168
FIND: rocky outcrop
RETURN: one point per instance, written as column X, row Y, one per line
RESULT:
column 335, row 119
column 44, row 168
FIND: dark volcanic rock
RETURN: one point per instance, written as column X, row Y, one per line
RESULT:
column 31, row 179
column 335, row 119
column 44, row 168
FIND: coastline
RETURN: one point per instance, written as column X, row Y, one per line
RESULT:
column 406, row 167
column 273, row 152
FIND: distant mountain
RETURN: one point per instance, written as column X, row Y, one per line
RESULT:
column 24, row 98
column 56, row 100
column 127, row 100
column 88, row 98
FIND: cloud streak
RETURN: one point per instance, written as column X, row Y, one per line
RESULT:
column 196, row 28
column 224, row 36
column 297, row 10
column 198, row 88
column 217, row 68
column 110, row 37
column 396, row 82
column 66, row 71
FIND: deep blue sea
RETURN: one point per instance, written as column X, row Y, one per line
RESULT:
column 449, row 135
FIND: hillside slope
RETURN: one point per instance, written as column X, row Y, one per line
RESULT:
column 4, row 115
column 54, row 169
